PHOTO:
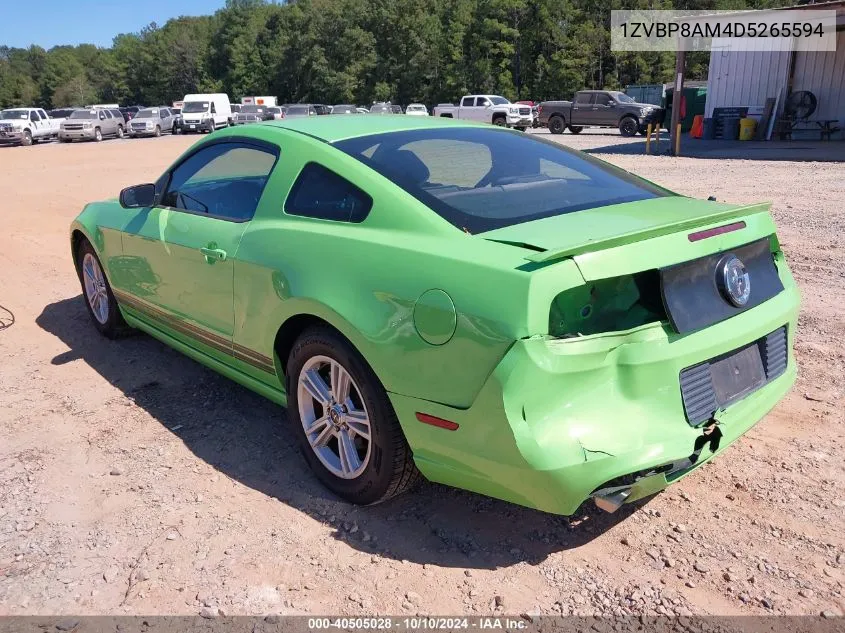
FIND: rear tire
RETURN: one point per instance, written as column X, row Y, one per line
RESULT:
column 363, row 467
column 557, row 125
column 97, row 293
column 575, row 129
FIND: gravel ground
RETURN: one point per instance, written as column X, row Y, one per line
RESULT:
column 134, row 481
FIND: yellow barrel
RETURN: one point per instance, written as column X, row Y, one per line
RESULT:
column 746, row 129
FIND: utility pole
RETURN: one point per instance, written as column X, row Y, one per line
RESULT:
column 677, row 96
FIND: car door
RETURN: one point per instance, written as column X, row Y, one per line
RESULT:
column 481, row 111
column 178, row 257
column 603, row 110
column 582, row 108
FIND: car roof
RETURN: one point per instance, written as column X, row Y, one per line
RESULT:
column 331, row 129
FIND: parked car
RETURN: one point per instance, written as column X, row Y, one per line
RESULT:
column 416, row 109
column 153, row 122
column 381, row 108
column 277, row 111
column 253, row 114
column 344, row 109
column 322, row 109
column 598, row 108
column 488, row 109
column 362, row 110
column 235, row 108
column 92, row 125
column 129, row 112
column 298, row 110
column 59, row 115
column 536, row 325
column 25, row 126
column 535, row 112
column 205, row 112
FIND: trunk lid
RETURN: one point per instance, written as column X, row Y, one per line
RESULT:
column 636, row 236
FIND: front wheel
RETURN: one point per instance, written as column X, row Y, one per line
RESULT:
column 345, row 423
column 99, row 298
column 119, row 131
column 26, row 141
column 98, row 135
column 575, row 129
column 500, row 121
column 158, row 130
column 628, row 127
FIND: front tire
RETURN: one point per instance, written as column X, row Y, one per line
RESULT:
column 628, row 127
column 500, row 121
column 26, row 141
column 97, row 293
column 158, row 130
column 119, row 131
column 347, row 428
column 98, row 135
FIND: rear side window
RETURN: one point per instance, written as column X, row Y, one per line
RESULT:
column 585, row 98
column 320, row 193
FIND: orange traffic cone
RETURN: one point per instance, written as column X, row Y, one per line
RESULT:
column 697, row 126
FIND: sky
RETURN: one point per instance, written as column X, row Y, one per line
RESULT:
column 51, row 22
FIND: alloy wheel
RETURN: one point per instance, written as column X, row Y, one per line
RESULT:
column 334, row 417
column 95, row 288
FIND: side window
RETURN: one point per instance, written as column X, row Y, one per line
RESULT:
column 224, row 180
column 117, row 114
column 467, row 102
column 603, row 99
column 321, row 193
column 33, row 116
column 482, row 102
column 584, row 98
column 43, row 114
column 213, row 109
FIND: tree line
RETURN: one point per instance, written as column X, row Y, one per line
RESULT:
column 354, row 51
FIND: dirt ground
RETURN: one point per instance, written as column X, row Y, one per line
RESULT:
column 134, row 481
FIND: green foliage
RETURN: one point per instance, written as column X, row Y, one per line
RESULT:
column 355, row 51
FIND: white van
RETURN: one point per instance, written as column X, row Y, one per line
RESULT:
column 205, row 112
column 260, row 101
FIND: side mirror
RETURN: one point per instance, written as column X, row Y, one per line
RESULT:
column 138, row 197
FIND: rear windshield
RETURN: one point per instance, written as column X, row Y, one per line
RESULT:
column 295, row 109
column 480, row 179
column 380, row 108
column 344, row 109
column 251, row 109
column 83, row 114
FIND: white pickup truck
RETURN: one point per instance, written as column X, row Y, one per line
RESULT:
column 25, row 126
column 489, row 109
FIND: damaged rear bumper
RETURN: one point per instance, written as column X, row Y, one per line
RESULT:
column 563, row 420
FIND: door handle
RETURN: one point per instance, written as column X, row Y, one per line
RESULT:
column 214, row 254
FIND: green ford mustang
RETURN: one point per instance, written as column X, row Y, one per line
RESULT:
column 477, row 305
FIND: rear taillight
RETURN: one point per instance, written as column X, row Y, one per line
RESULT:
column 608, row 305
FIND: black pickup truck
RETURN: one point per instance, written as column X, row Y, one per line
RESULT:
column 599, row 108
